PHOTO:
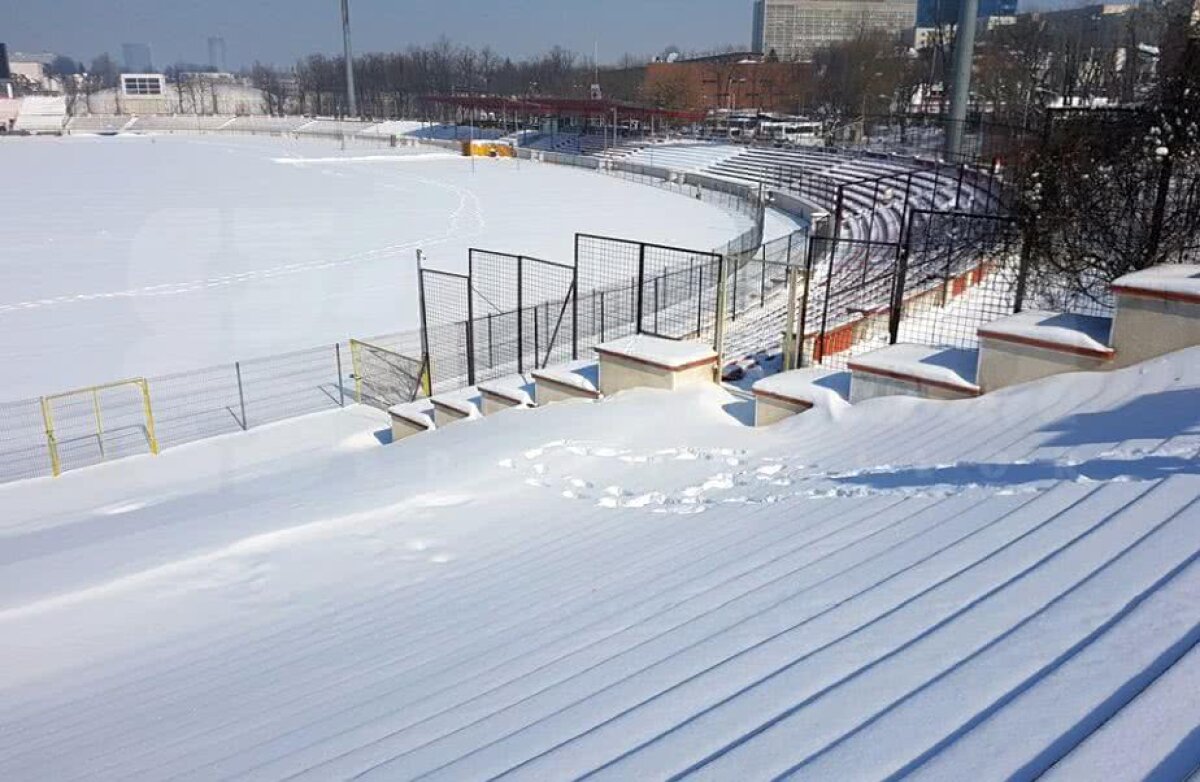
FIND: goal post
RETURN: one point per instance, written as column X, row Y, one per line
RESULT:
column 384, row 378
column 87, row 425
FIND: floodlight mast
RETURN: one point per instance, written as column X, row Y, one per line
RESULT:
column 960, row 97
column 351, row 97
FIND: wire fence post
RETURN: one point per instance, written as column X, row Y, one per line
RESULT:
column 337, row 351
column 575, row 308
column 237, row 367
column 520, row 316
column 700, row 302
column 641, row 281
column 901, row 282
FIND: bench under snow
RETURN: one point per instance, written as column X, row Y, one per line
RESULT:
column 788, row 393
column 565, row 382
column 642, row 361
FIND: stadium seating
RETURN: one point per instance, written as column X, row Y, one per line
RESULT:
column 42, row 114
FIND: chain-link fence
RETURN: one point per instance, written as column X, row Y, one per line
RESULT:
column 89, row 426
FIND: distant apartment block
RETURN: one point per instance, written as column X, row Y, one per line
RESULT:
column 796, row 29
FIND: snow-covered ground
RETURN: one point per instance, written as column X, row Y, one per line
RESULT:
column 642, row 588
column 136, row 256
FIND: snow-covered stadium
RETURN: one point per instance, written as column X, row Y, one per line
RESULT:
column 239, row 572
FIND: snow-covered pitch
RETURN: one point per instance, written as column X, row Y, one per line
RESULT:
column 643, row 588
column 143, row 255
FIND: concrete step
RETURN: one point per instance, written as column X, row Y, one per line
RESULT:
column 914, row 370
column 790, row 393
column 1036, row 344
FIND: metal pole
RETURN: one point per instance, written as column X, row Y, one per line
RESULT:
column 641, row 281
column 337, row 350
column 964, row 53
column 520, row 317
column 237, row 367
column 351, row 97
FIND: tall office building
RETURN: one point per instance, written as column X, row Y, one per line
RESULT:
column 216, row 54
column 136, row 58
column 796, row 29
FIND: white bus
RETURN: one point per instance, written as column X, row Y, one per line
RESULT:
column 798, row 132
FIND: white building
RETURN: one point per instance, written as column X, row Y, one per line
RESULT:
column 795, row 29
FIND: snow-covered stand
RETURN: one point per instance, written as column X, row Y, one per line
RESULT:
column 411, row 419
column 505, row 394
column 461, row 405
column 914, row 370
column 1035, row 344
column 1158, row 312
column 789, row 393
column 567, row 382
column 643, row 361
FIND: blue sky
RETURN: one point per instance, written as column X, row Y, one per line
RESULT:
column 282, row 30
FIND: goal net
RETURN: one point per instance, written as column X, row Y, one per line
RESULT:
column 384, row 378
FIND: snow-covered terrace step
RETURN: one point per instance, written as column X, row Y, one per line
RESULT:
column 411, row 418
column 789, row 393
column 461, row 405
column 914, row 370
column 1170, row 282
column 505, row 393
column 1036, row 344
column 643, row 361
column 565, row 382
column 1157, row 312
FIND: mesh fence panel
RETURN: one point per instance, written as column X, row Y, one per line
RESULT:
column 679, row 292
column 608, row 283
column 24, row 452
column 849, row 289
column 960, row 272
column 494, row 302
column 447, row 332
column 190, row 406
column 547, row 295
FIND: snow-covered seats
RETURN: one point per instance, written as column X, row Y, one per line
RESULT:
column 453, row 406
column 1157, row 312
column 566, row 382
column 642, row 361
column 411, row 418
column 505, row 393
column 914, row 370
column 784, row 395
column 1035, row 344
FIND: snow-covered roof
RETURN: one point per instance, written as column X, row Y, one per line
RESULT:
column 1178, row 280
column 1077, row 333
column 660, row 352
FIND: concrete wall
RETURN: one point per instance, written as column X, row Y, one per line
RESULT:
column 1003, row 364
column 618, row 373
column 771, row 410
column 1145, row 328
column 548, row 392
column 866, row 386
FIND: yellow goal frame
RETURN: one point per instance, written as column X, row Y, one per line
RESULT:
column 94, row 391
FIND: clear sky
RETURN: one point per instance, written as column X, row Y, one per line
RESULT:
column 280, row 31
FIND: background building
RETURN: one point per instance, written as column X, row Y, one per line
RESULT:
column 216, row 54
column 796, row 29
column 136, row 57
column 931, row 13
